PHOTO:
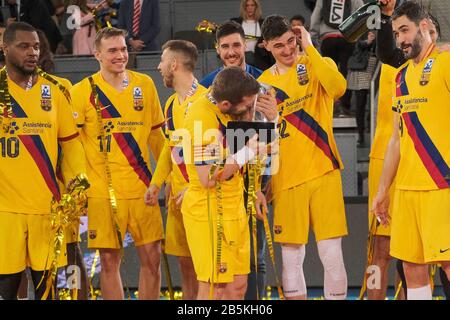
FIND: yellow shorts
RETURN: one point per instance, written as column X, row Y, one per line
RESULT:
column 318, row 203
column 235, row 251
column 375, row 169
column 25, row 240
column 176, row 242
column 420, row 231
column 142, row 221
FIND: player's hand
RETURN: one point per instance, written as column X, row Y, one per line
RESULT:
column 305, row 40
column 179, row 198
column 444, row 48
column 260, row 205
column 380, row 207
column 151, row 195
column 267, row 105
column 388, row 7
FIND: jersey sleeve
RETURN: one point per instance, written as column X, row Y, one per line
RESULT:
column 203, row 132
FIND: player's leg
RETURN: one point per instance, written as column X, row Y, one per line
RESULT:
column 9, row 285
column 381, row 255
column 102, row 235
column 189, row 281
column 291, row 227
column 13, row 251
column 146, row 228
column 329, row 225
column 417, row 278
column 236, row 289
column 110, row 280
column 381, row 259
column 294, row 285
column 176, row 245
column 150, row 271
column 401, row 274
column 335, row 275
column 257, row 280
column 204, row 289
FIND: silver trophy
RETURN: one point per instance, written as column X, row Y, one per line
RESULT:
column 257, row 115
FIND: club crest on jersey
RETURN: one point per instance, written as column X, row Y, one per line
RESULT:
column 46, row 97
column 277, row 229
column 138, row 100
column 426, row 73
column 302, row 74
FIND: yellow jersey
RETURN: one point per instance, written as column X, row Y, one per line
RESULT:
column 42, row 116
column 385, row 115
column 171, row 160
column 129, row 119
column 305, row 96
column 206, row 144
column 422, row 95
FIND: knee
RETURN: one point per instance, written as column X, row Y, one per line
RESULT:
column 330, row 253
column 110, row 262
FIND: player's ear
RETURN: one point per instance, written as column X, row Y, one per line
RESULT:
column 424, row 26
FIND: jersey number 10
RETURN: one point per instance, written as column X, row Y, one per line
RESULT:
column 10, row 147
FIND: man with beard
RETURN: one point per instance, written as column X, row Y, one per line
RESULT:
column 213, row 206
column 36, row 116
column 230, row 46
column 119, row 116
column 419, row 144
column 177, row 69
column 392, row 57
column 307, row 190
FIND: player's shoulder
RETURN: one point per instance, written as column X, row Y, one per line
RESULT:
column 200, row 109
column 66, row 83
column 443, row 57
column 140, row 79
column 83, row 85
column 170, row 101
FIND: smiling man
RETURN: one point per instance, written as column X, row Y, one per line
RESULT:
column 230, row 38
column 306, row 86
column 120, row 117
column 418, row 154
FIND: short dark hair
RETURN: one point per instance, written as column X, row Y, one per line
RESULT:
column 187, row 49
column 413, row 10
column 233, row 84
column 435, row 21
column 227, row 28
column 298, row 17
column 106, row 33
column 274, row 26
column 10, row 32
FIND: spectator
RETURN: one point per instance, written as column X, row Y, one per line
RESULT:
column 297, row 21
column 35, row 12
column 250, row 18
column 141, row 19
column 324, row 28
column 83, row 37
column 361, row 67
column 45, row 61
